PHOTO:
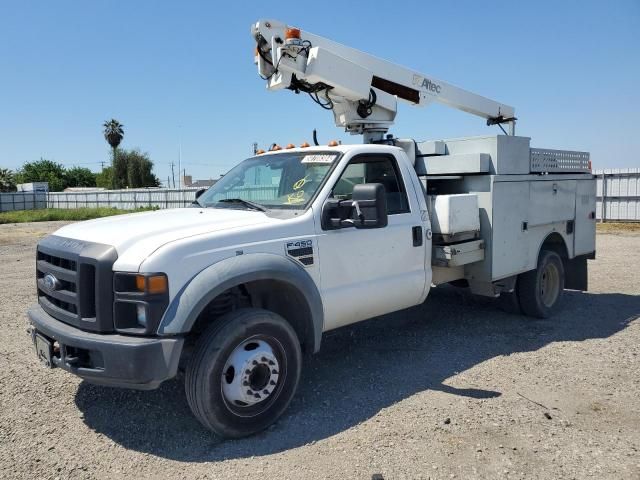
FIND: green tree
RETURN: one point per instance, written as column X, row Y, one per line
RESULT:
column 79, row 177
column 104, row 179
column 7, row 180
column 119, row 177
column 113, row 134
column 43, row 171
column 133, row 169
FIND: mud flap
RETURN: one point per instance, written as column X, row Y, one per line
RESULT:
column 576, row 277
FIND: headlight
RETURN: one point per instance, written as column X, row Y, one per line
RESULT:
column 141, row 311
column 140, row 300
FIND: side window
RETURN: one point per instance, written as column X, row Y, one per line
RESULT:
column 374, row 169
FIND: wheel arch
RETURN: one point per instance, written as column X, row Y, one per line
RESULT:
column 555, row 242
column 575, row 269
column 278, row 283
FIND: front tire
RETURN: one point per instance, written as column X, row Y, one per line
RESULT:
column 540, row 290
column 244, row 372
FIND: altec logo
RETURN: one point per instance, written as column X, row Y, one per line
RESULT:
column 427, row 84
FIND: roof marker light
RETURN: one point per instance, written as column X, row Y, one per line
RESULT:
column 333, row 143
column 304, row 145
column 291, row 33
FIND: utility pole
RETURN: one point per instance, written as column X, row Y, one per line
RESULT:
column 179, row 155
column 102, row 165
column 173, row 175
column 255, row 148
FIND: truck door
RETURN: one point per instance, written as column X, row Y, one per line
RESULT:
column 369, row 272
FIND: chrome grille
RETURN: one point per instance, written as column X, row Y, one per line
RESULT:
column 75, row 282
column 65, row 270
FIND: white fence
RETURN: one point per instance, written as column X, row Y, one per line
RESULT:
column 22, row 201
column 129, row 199
column 618, row 194
column 617, row 189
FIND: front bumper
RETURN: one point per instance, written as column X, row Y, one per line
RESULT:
column 109, row 359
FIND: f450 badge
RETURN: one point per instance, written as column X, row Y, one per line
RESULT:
column 301, row 250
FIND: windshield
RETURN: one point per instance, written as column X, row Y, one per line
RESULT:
column 283, row 180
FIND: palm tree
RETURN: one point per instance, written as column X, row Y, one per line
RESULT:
column 7, row 181
column 113, row 133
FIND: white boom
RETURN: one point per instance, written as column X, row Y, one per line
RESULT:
column 360, row 89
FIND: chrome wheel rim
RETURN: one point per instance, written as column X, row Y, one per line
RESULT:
column 252, row 377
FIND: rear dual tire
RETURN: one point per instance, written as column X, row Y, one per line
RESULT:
column 539, row 291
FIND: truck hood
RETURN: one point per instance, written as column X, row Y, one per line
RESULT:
column 142, row 233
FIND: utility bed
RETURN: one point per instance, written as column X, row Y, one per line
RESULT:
column 518, row 195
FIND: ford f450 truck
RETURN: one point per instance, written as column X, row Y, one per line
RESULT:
column 298, row 241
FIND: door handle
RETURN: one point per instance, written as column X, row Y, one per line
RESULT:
column 416, row 233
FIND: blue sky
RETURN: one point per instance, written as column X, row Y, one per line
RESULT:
column 182, row 72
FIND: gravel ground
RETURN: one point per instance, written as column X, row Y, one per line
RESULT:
column 454, row 388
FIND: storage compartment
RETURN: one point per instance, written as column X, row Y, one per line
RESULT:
column 551, row 201
column 458, row 254
column 508, row 155
column 463, row 163
column 454, row 217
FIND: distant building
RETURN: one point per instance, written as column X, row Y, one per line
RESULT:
column 33, row 187
column 84, row 189
column 202, row 184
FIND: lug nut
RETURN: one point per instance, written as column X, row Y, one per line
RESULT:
column 272, row 382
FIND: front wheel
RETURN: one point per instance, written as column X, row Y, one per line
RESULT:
column 244, row 372
column 540, row 290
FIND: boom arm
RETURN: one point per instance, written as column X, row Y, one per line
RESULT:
column 362, row 90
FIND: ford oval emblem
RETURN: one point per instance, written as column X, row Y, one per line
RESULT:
column 51, row 282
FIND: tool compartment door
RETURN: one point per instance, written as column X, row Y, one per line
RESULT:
column 585, row 226
column 551, row 201
column 510, row 241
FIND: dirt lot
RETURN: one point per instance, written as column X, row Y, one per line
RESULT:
column 454, row 388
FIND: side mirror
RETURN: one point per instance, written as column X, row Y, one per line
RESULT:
column 200, row 192
column 366, row 209
column 369, row 205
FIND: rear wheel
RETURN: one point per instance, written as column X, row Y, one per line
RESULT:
column 244, row 372
column 540, row 290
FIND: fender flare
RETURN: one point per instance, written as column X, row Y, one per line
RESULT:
column 193, row 297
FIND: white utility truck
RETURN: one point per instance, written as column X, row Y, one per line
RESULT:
column 297, row 241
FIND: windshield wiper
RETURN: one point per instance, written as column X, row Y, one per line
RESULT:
column 246, row 203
